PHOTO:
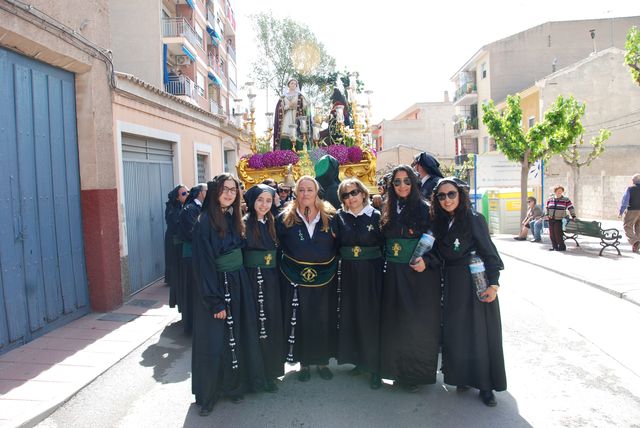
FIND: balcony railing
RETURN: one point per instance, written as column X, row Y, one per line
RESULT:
column 232, row 87
column 179, row 27
column 231, row 52
column 231, row 16
column 183, row 86
column 465, row 124
column 215, row 107
column 214, row 63
column 465, row 89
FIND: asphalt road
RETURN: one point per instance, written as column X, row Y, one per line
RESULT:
column 572, row 361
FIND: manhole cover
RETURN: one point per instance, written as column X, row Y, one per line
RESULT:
column 145, row 303
column 118, row 317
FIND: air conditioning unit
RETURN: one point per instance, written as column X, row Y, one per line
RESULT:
column 183, row 60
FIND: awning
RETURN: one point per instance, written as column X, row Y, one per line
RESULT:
column 213, row 33
column 188, row 53
column 214, row 79
column 190, row 3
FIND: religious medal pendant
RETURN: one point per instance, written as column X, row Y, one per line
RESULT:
column 300, row 235
column 370, row 228
column 456, row 245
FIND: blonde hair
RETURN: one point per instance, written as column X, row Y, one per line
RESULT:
column 290, row 217
column 342, row 188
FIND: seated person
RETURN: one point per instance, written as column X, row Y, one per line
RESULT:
column 533, row 220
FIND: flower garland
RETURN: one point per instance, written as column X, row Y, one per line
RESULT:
column 343, row 154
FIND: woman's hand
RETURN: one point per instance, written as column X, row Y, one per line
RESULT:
column 419, row 266
column 489, row 294
column 220, row 315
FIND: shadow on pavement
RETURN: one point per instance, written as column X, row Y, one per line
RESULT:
column 171, row 345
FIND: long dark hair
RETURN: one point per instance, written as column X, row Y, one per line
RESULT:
column 441, row 218
column 212, row 206
column 172, row 196
column 251, row 218
column 414, row 202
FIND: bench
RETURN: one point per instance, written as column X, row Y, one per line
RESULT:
column 608, row 237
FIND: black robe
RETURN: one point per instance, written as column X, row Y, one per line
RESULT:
column 172, row 250
column 273, row 345
column 410, row 323
column 316, row 317
column 212, row 374
column 360, row 292
column 184, row 290
column 426, row 189
column 472, row 334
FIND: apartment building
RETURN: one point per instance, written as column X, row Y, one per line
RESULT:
column 512, row 64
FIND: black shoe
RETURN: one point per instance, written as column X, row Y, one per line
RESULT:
column 536, row 240
column 356, row 371
column 488, row 398
column 304, row 374
column 205, row 411
column 325, row 373
column 237, row 399
column 561, row 249
column 552, row 249
column 271, row 386
column 375, row 382
column 462, row 388
column 519, row 238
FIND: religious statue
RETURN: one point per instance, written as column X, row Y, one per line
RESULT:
column 340, row 106
column 292, row 120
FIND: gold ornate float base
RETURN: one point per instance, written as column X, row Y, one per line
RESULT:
column 364, row 171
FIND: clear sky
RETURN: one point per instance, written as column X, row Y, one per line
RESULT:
column 407, row 50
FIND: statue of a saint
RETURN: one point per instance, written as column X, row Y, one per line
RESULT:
column 292, row 108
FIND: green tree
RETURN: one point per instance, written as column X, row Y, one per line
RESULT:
column 572, row 157
column 559, row 128
column 289, row 49
column 632, row 56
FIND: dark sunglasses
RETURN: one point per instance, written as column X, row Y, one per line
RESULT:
column 397, row 181
column 184, row 193
column 284, row 190
column 451, row 195
column 354, row 192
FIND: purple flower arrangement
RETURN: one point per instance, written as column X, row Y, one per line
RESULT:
column 273, row 159
column 276, row 158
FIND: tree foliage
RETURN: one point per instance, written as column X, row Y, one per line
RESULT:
column 560, row 127
column 288, row 49
column 632, row 55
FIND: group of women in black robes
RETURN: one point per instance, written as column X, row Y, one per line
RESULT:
column 314, row 283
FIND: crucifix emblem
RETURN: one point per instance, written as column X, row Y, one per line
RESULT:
column 308, row 274
column 267, row 259
column 370, row 227
column 396, row 249
column 356, row 251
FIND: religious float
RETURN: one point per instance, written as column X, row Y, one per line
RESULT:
column 302, row 135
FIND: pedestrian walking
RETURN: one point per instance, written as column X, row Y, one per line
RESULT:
column 472, row 353
column 357, row 230
column 630, row 208
column 260, row 264
column 172, row 249
column 226, row 355
column 410, row 314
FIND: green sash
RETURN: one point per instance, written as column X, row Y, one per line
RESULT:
column 307, row 274
column 400, row 250
column 264, row 259
column 229, row 262
column 360, row 253
column 186, row 250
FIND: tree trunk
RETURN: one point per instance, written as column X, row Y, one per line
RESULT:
column 575, row 173
column 524, row 177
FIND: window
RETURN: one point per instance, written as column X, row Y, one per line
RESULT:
column 532, row 121
column 483, row 70
column 229, row 159
column 203, row 163
column 200, row 35
column 200, row 83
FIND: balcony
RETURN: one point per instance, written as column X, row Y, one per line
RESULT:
column 466, row 127
column 216, row 108
column 466, row 147
column 175, row 30
column 466, row 94
column 231, row 18
column 232, row 87
column 231, row 52
column 183, row 87
column 214, row 63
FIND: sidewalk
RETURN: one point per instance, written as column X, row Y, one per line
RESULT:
column 38, row 377
column 617, row 275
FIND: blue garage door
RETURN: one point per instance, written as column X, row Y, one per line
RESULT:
column 148, row 177
column 43, row 280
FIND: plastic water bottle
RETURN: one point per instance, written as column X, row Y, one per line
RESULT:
column 478, row 275
column 425, row 244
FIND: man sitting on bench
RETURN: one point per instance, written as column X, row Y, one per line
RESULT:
column 556, row 210
column 533, row 220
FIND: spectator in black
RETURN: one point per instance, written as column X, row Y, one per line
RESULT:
column 428, row 169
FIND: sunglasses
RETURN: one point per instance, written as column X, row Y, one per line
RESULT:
column 354, row 192
column 284, row 190
column 397, row 181
column 184, row 193
column 451, row 195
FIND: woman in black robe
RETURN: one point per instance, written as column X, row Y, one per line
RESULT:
column 308, row 267
column 410, row 324
column 357, row 230
column 260, row 264
column 186, row 221
column 472, row 332
column 226, row 356
column 172, row 249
